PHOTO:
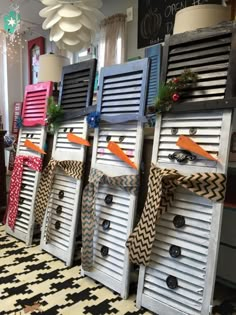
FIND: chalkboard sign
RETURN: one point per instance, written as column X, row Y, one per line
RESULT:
column 156, row 18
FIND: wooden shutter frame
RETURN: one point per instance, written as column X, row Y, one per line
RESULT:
column 32, row 88
column 120, row 286
column 67, row 255
column 80, row 67
column 229, row 100
column 225, row 106
column 154, row 52
column 27, row 235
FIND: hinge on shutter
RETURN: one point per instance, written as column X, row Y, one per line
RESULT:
column 210, row 309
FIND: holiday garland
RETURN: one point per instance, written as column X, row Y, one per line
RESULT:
column 54, row 114
column 171, row 92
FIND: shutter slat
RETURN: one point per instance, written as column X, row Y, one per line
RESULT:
column 204, row 44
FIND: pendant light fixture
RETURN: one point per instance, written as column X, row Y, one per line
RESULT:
column 72, row 23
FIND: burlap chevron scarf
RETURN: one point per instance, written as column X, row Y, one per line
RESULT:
column 33, row 162
column 71, row 168
column 129, row 183
column 161, row 187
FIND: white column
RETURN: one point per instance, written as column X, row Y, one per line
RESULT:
column 11, row 83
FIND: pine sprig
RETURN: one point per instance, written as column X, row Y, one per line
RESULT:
column 54, row 114
column 172, row 91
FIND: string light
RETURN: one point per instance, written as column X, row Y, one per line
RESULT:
column 15, row 40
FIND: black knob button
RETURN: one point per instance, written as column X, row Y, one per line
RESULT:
column 71, row 129
column 121, row 138
column 59, row 210
column 61, row 194
column 192, row 131
column 108, row 138
column 21, row 200
column 19, row 214
column 179, row 221
column 108, row 199
column 23, row 186
column 104, row 251
column 175, row 251
column 106, row 225
column 172, row 282
column 57, row 225
column 174, row 131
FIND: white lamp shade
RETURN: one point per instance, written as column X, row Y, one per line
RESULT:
column 198, row 16
column 50, row 67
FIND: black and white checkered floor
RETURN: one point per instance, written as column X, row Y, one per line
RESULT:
column 29, row 275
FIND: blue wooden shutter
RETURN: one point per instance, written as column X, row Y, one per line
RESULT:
column 154, row 53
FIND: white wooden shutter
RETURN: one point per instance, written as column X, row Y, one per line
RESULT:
column 198, row 239
column 227, row 252
column 62, row 214
column 196, row 242
column 122, row 90
column 33, row 113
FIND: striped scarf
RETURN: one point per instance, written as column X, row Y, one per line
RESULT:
column 161, row 188
column 33, row 162
column 129, row 183
column 71, row 168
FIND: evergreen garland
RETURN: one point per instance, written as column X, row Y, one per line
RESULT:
column 171, row 92
column 54, row 114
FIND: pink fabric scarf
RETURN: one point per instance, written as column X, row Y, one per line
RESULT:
column 32, row 162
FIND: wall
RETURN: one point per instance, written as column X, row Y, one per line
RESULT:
column 11, row 88
column 11, row 84
column 14, row 80
column 3, row 99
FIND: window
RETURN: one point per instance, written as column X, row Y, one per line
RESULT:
column 112, row 43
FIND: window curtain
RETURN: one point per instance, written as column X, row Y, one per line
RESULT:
column 112, row 44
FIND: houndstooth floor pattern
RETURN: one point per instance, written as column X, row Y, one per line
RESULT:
column 28, row 276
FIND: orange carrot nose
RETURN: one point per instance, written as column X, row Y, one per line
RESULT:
column 30, row 145
column 188, row 144
column 115, row 149
column 76, row 139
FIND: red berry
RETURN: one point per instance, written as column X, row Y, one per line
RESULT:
column 175, row 97
column 175, row 80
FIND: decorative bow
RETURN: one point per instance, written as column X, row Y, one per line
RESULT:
column 71, row 168
column 161, row 188
column 32, row 162
column 129, row 183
